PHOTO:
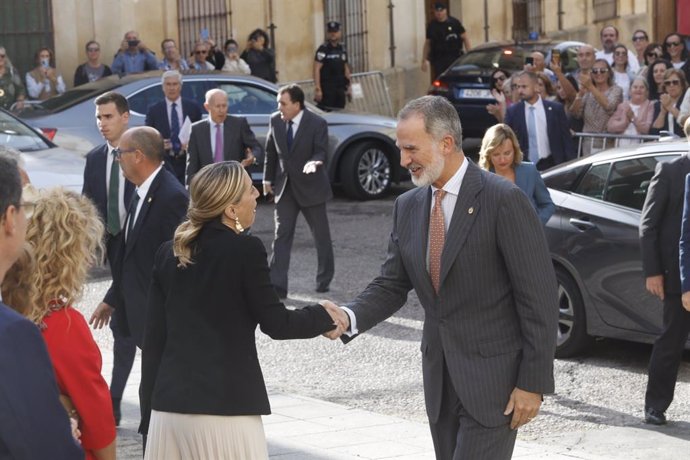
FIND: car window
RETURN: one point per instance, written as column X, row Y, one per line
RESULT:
column 565, row 180
column 508, row 59
column 249, row 100
column 629, row 180
column 140, row 102
column 593, row 183
column 19, row 136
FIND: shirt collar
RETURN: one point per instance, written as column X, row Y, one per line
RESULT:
column 298, row 118
column 143, row 189
column 177, row 101
column 537, row 104
column 454, row 183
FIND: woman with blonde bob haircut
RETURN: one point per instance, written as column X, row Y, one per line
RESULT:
column 64, row 236
column 500, row 153
column 202, row 390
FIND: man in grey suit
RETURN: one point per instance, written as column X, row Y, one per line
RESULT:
column 472, row 247
column 230, row 139
column 295, row 172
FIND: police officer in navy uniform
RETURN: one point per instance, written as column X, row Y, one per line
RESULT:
column 331, row 72
column 445, row 37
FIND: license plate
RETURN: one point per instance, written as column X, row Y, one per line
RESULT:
column 475, row 93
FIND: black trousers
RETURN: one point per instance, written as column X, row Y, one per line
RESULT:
column 286, row 212
column 458, row 436
column 667, row 354
column 332, row 98
column 177, row 165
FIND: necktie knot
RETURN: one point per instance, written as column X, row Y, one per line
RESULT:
column 438, row 196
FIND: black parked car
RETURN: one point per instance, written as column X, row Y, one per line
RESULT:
column 466, row 83
column 594, row 241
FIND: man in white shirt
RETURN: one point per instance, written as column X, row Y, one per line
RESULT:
column 609, row 40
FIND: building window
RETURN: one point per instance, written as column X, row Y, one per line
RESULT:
column 212, row 16
column 527, row 19
column 605, row 9
column 351, row 14
column 25, row 27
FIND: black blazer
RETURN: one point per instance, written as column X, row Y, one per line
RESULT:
column 81, row 77
column 557, row 128
column 157, row 115
column 199, row 348
column 677, row 129
column 95, row 181
column 163, row 209
column 660, row 222
column 237, row 137
column 29, row 401
column 310, row 143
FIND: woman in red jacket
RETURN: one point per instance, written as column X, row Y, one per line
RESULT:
column 64, row 235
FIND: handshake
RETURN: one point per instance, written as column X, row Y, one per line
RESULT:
column 340, row 318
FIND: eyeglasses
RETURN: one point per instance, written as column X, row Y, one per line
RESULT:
column 597, row 70
column 200, row 52
column 672, row 82
column 639, row 38
column 620, row 53
column 92, row 50
column 670, row 44
column 653, row 55
column 500, row 78
column 119, row 152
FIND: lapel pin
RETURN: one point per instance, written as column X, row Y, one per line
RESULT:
column 470, row 211
column 150, row 199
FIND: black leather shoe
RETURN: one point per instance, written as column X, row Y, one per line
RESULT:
column 322, row 288
column 116, row 410
column 654, row 417
column 282, row 293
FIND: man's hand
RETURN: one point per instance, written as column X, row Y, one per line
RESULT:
column 101, row 317
column 686, row 300
column 318, row 95
column 655, row 285
column 340, row 319
column 310, row 166
column 425, row 65
column 167, row 144
column 249, row 158
column 524, row 405
column 585, row 81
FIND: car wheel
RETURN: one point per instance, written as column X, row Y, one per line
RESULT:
column 365, row 171
column 572, row 322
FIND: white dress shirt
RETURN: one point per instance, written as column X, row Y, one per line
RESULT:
column 543, row 146
column 121, row 205
column 142, row 191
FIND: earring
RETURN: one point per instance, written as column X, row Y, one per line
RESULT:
column 238, row 226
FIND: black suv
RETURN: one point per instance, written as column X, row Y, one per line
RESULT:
column 466, row 83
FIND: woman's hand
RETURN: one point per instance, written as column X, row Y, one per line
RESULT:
column 666, row 101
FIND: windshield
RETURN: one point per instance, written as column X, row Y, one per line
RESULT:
column 508, row 59
column 19, row 136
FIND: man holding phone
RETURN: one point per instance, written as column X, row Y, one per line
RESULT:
column 133, row 56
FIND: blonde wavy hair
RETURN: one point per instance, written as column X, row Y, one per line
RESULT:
column 65, row 234
column 212, row 190
column 493, row 138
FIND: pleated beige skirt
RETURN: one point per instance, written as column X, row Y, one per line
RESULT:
column 175, row 436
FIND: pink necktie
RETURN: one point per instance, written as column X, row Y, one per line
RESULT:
column 437, row 237
column 219, row 144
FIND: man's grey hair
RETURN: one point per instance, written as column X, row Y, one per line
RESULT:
column 439, row 115
column 171, row 74
column 212, row 92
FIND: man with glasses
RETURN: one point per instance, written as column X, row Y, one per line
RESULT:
column 107, row 187
column 640, row 41
column 33, row 423
column 609, row 40
column 93, row 69
column 171, row 56
column 199, row 61
column 133, row 56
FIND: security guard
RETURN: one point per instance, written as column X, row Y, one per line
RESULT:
column 331, row 72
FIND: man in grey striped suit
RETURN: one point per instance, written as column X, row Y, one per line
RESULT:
column 472, row 247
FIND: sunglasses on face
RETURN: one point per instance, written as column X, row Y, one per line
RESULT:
column 199, row 52
column 599, row 70
column 499, row 78
column 639, row 38
column 672, row 82
column 672, row 44
column 653, row 55
column 93, row 50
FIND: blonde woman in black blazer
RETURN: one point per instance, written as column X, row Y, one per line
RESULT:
column 202, row 390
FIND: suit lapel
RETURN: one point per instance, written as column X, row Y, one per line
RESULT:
column 464, row 216
column 206, row 148
column 280, row 133
column 143, row 212
column 300, row 131
column 420, row 220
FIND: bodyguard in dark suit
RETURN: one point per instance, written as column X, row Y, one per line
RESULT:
column 295, row 172
column 168, row 116
column 540, row 125
column 158, row 206
column 660, row 231
column 471, row 246
column 107, row 187
column 33, row 423
column 221, row 137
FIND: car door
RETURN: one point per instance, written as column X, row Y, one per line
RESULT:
column 601, row 221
